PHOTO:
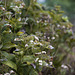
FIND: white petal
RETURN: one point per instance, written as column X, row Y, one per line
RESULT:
column 53, row 38
column 11, row 71
column 44, row 52
column 26, row 45
column 51, row 63
column 40, row 61
column 7, row 74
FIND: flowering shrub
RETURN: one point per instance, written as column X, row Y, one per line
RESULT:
column 32, row 39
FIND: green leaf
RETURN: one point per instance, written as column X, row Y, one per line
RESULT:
column 33, row 72
column 9, row 45
column 20, row 33
column 1, row 45
column 10, row 64
column 8, row 56
column 29, row 59
column 27, row 2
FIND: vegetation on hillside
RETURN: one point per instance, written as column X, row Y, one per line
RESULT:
column 34, row 41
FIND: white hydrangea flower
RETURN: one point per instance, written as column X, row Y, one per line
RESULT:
column 64, row 66
column 41, row 44
column 40, row 61
column 51, row 47
column 20, row 12
column 46, row 64
column 57, row 35
column 26, row 45
column 38, row 21
column 48, row 37
column 7, row 74
column 35, row 43
column 36, row 38
column 16, row 39
column 53, row 38
column 50, row 63
column 16, row 7
column 44, row 52
column 58, row 25
column 31, row 41
column 63, row 26
column 3, row 8
column 38, row 53
column 11, row 71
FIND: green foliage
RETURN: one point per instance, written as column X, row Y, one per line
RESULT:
column 31, row 38
column 66, row 5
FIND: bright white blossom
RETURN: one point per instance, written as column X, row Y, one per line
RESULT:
column 57, row 35
column 46, row 64
column 50, row 63
column 26, row 45
column 51, row 47
column 16, row 7
column 36, row 38
column 38, row 21
column 7, row 74
column 58, row 25
column 53, row 38
column 44, row 52
column 11, row 71
column 3, row 8
column 16, row 39
column 40, row 61
column 35, row 43
column 41, row 44
column 48, row 37
column 38, row 53
column 31, row 41
column 20, row 12
column 64, row 66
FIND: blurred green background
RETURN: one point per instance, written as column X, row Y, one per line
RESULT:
column 66, row 5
